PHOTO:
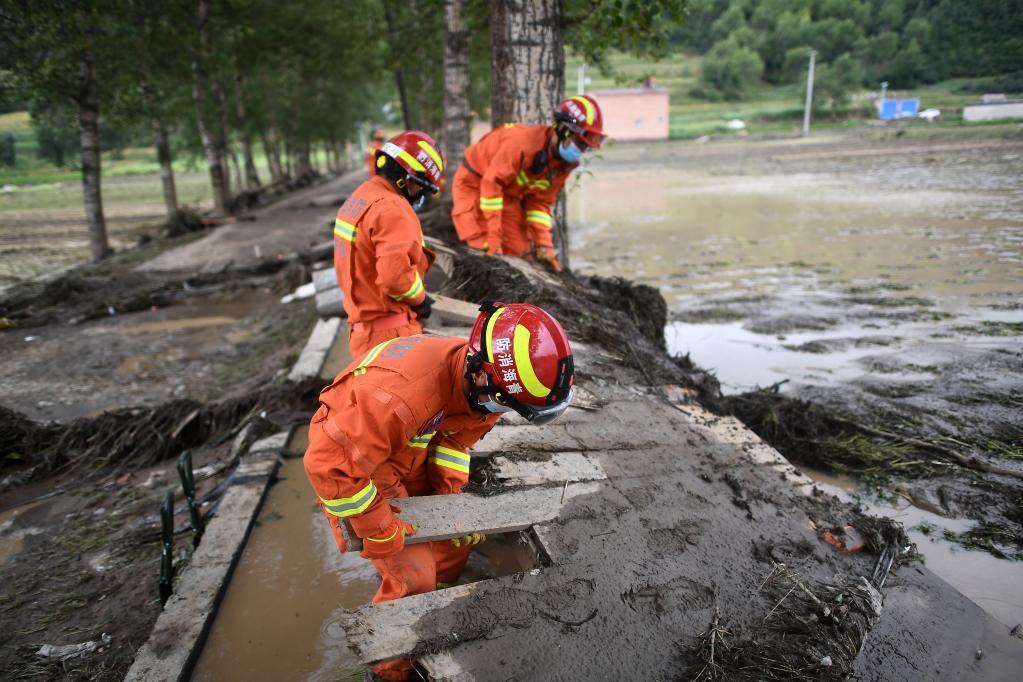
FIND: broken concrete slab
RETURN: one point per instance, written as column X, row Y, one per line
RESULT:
column 176, row 640
column 560, row 468
column 330, row 303
column 385, row 630
column 442, row 517
column 313, row 356
column 455, row 313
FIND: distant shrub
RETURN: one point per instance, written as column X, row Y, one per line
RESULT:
column 730, row 72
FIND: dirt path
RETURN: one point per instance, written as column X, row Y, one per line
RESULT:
column 297, row 222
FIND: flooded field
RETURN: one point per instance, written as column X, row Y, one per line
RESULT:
column 755, row 265
column 880, row 281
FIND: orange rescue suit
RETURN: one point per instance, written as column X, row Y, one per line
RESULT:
column 396, row 423
column 393, row 424
column 505, row 190
column 371, row 156
column 380, row 260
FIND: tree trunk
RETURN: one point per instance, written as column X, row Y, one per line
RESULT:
column 527, row 60
column 455, row 134
column 200, row 87
column 528, row 74
column 251, row 176
column 88, row 126
column 399, row 76
column 163, row 151
column 222, row 138
column 236, row 167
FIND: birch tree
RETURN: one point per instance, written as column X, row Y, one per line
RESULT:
column 455, row 134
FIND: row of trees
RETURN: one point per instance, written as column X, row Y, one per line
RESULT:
column 859, row 42
column 228, row 75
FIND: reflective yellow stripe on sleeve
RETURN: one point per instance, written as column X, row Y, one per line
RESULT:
column 413, row 290
column 538, row 217
column 370, row 357
column 452, row 459
column 349, row 506
column 421, row 441
column 492, row 203
column 345, row 230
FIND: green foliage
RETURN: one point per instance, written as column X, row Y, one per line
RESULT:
column 57, row 136
column 730, row 71
column 835, row 82
column 902, row 42
column 8, row 153
column 641, row 27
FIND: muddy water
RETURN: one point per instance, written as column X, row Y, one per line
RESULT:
column 278, row 620
column 723, row 248
column 279, row 617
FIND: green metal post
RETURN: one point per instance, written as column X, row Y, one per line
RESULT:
column 167, row 553
column 188, row 485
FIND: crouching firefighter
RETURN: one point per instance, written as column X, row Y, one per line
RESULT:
column 505, row 188
column 400, row 421
column 379, row 254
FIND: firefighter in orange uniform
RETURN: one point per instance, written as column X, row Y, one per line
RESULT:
column 400, row 421
column 376, row 141
column 379, row 254
column 510, row 179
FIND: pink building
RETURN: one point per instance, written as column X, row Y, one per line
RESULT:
column 634, row 113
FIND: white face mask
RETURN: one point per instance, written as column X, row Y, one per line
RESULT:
column 570, row 152
column 494, row 407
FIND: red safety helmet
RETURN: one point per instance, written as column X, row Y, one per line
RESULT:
column 581, row 115
column 525, row 354
column 416, row 152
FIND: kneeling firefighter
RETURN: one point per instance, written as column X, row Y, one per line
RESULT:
column 400, row 422
column 504, row 190
column 379, row 254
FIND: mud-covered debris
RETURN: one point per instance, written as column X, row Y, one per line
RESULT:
column 812, row 631
column 132, row 438
column 68, row 651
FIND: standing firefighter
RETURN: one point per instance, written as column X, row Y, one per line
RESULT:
column 379, row 254
column 376, row 141
column 400, row 421
column 506, row 186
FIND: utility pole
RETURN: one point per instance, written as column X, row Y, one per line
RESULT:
column 809, row 94
column 582, row 79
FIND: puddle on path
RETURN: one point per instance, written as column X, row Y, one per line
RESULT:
column 996, row 585
column 279, row 619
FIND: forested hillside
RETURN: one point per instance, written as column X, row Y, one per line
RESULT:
column 858, row 43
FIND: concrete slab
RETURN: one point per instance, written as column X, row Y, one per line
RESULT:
column 442, row 517
column 313, row 356
column 561, row 467
column 176, row 640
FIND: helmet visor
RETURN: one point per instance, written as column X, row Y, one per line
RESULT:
column 546, row 414
column 591, row 138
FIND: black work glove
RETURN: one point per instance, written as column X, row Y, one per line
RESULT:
column 424, row 309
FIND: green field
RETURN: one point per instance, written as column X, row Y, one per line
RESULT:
column 771, row 109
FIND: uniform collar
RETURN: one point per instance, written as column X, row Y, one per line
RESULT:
column 385, row 183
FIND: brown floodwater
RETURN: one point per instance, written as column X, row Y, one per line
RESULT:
column 801, row 244
column 279, row 619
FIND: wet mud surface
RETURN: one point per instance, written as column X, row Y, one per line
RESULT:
column 874, row 281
